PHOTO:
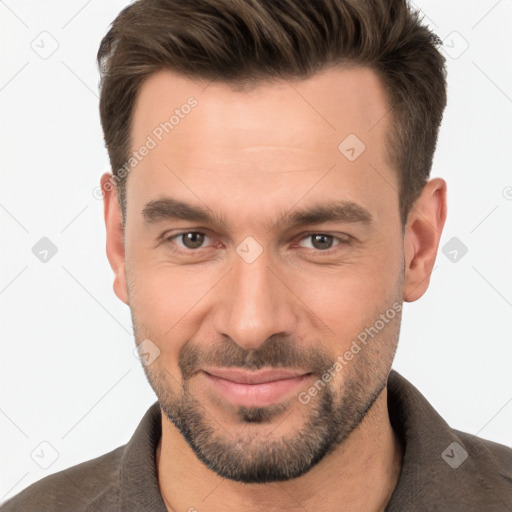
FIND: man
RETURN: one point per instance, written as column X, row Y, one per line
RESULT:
column 269, row 211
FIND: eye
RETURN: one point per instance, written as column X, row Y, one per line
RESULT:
column 190, row 240
column 323, row 241
column 193, row 241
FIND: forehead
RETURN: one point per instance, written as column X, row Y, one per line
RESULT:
column 330, row 104
column 276, row 135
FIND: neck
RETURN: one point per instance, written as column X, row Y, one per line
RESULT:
column 360, row 474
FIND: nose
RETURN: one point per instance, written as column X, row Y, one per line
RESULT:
column 254, row 304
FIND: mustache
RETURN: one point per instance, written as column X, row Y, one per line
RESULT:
column 276, row 352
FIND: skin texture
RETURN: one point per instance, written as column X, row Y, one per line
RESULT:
column 251, row 156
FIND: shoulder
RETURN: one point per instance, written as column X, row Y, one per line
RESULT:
column 76, row 488
column 481, row 478
column 444, row 468
column 490, row 455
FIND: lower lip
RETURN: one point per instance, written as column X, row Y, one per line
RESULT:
column 257, row 395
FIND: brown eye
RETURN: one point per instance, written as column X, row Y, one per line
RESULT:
column 322, row 241
column 192, row 240
column 189, row 239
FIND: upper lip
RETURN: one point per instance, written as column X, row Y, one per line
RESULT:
column 254, row 377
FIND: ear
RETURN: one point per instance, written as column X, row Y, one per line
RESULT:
column 115, row 244
column 423, row 231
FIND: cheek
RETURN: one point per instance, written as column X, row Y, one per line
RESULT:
column 351, row 297
column 168, row 302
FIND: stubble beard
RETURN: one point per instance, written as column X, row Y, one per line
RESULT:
column 250, row 456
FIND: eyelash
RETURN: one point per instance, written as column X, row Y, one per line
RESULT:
column 345, row 240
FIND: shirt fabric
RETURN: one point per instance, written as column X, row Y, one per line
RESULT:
column 436, row 475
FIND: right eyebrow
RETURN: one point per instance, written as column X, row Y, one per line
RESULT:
column 169, row 208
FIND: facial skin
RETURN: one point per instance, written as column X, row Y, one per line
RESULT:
column 251, row 157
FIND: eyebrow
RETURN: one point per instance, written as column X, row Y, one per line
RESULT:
column 331, row 211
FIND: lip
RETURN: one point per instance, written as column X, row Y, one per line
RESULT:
column 258, row 388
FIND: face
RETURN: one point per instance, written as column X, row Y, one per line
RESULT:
column 264, row 263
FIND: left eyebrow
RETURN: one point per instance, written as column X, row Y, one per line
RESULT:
column 334, row 211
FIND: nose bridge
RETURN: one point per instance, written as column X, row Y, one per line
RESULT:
column 254, row 303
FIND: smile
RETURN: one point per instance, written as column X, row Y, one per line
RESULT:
column 259, row 388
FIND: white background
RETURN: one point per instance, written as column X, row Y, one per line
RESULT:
column 68, row 376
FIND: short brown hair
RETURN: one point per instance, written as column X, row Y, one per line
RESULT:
column 243, row 42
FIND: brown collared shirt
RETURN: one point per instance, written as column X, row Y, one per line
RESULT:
column 442, row 469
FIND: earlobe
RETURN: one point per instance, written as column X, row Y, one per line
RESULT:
column 114, row 231
column 421, row 240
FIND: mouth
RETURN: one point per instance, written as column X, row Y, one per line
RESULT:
column 259, row 388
